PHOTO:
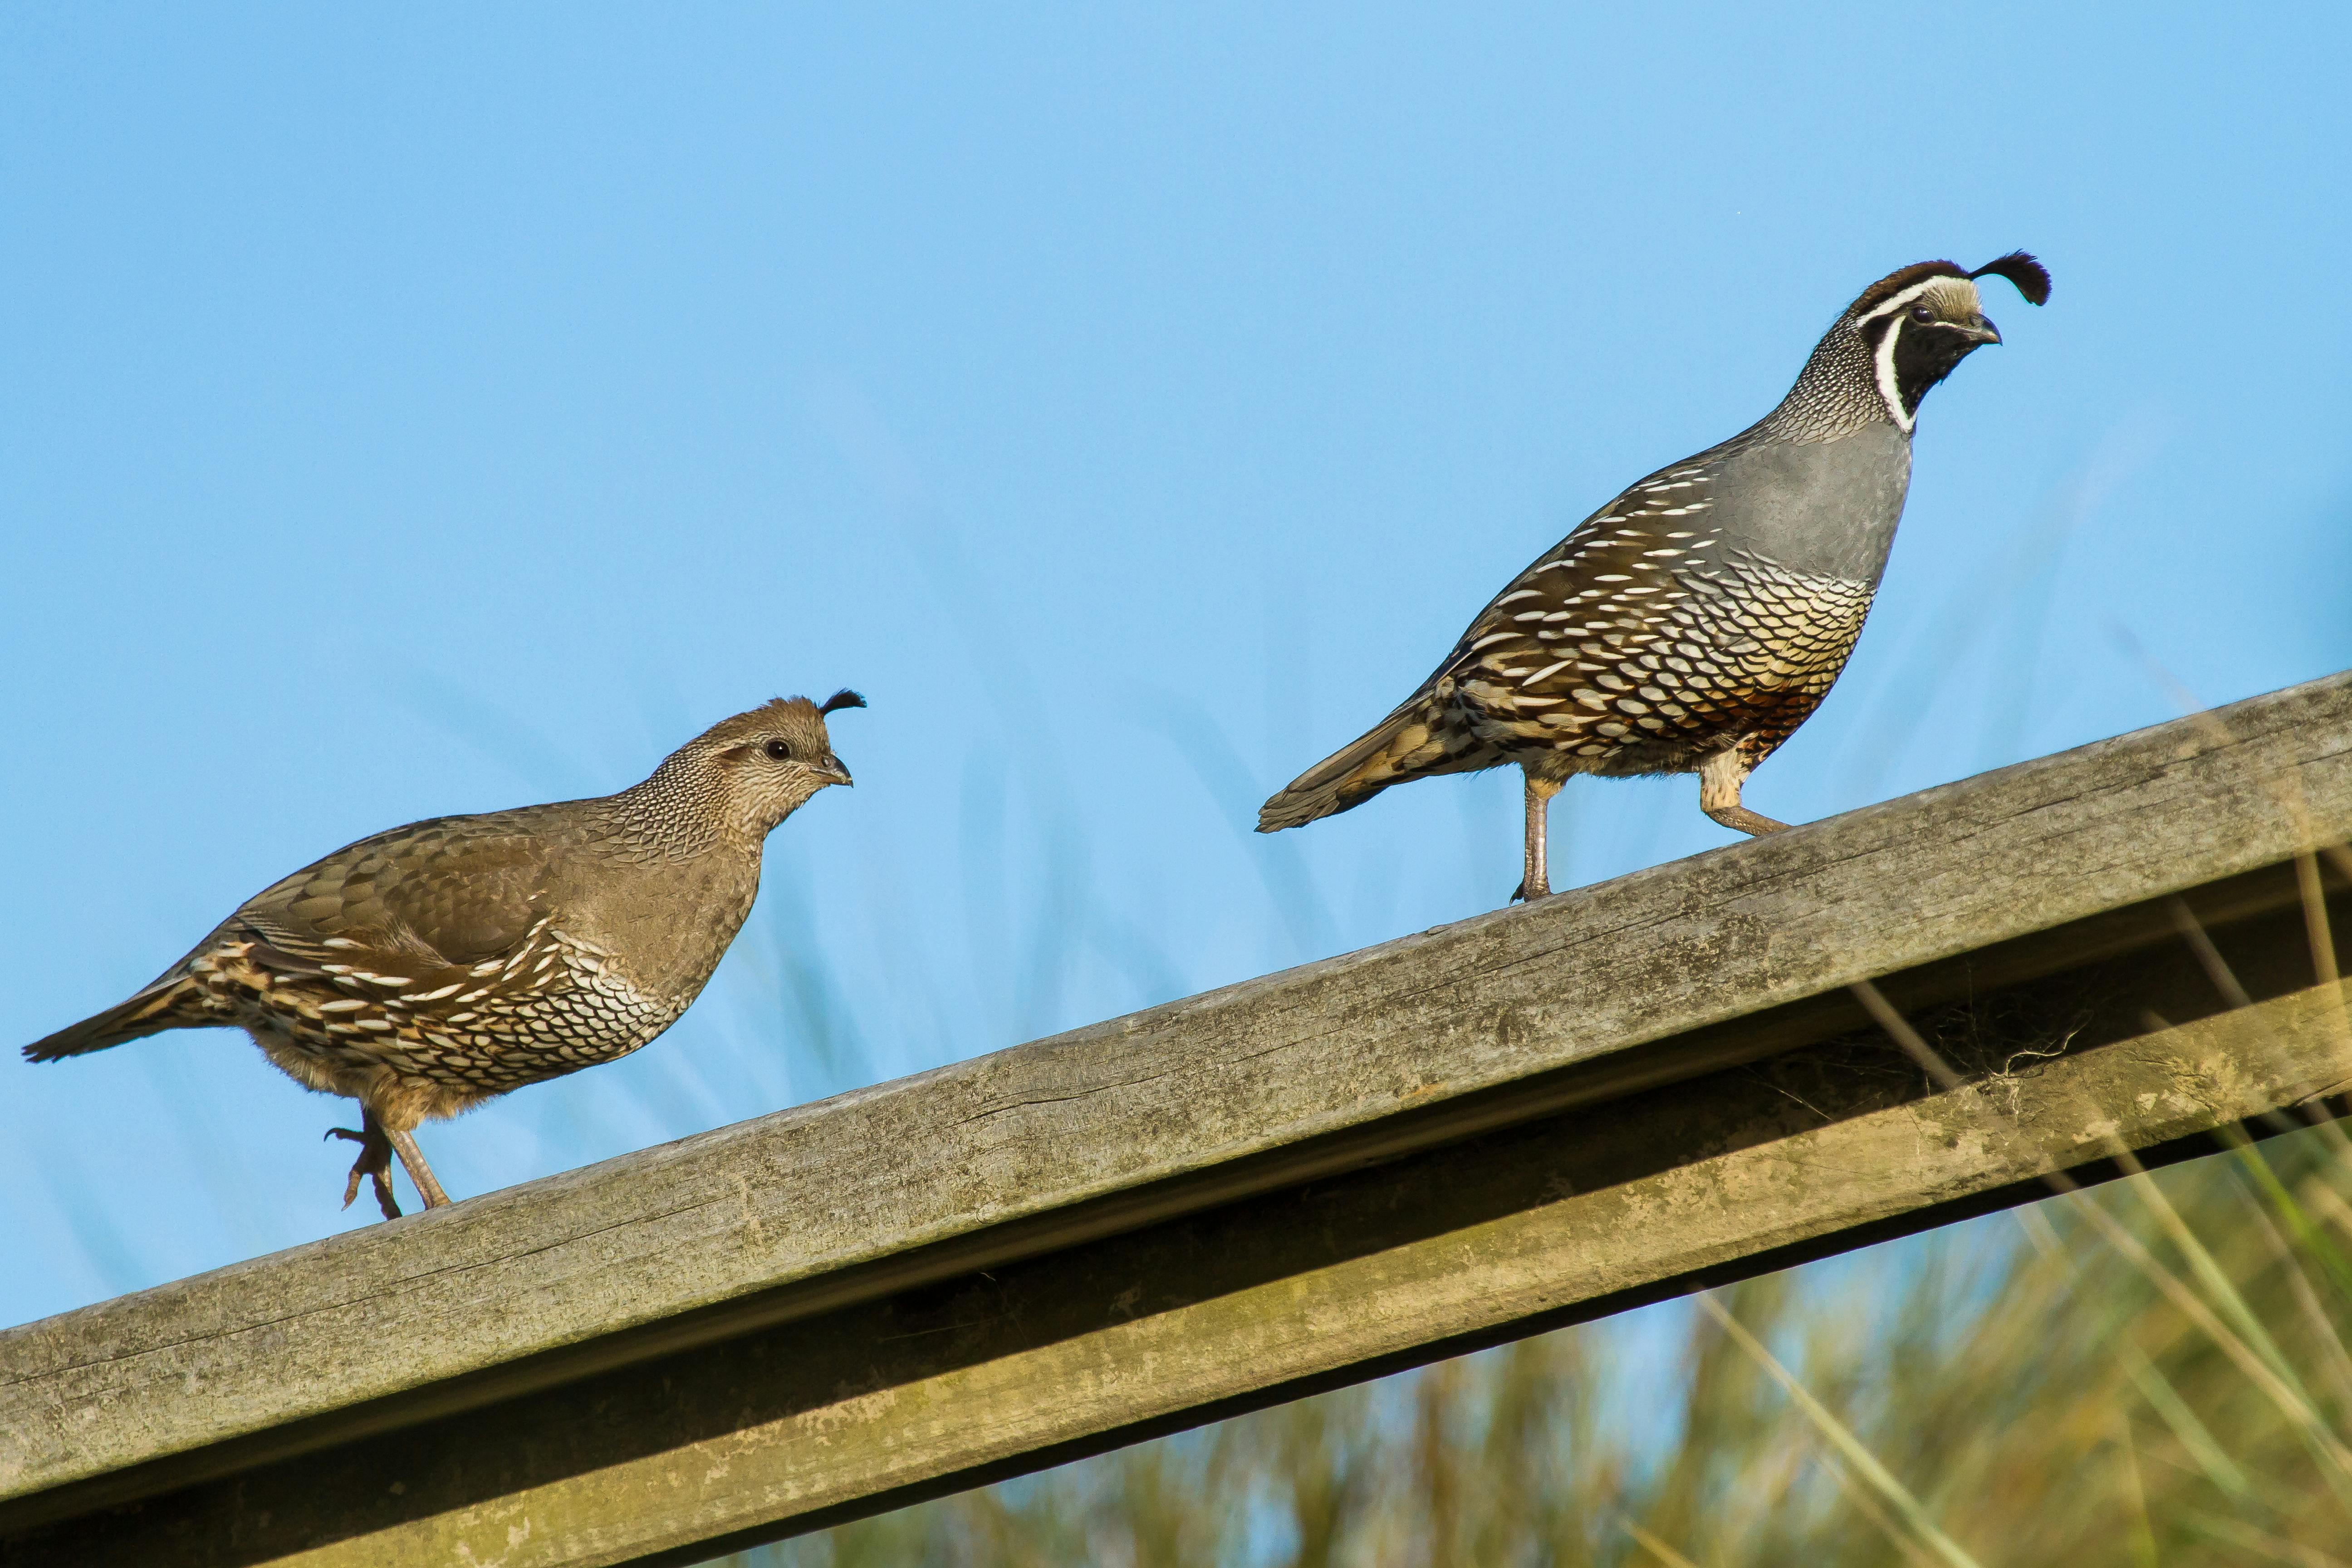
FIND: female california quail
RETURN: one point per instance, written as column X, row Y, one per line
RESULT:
column 427, row 969
column 1692, row 623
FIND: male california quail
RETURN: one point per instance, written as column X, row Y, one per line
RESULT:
column 428, row 969
column 1692, row 623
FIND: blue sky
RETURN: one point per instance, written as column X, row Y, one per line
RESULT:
column 433, row 410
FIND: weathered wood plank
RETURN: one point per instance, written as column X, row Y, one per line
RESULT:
column 1129, row 1123
column 1527, row 1229
column 1760, row 1194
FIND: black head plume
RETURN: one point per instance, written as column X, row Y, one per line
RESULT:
column 2033, row 279
column 844, row 697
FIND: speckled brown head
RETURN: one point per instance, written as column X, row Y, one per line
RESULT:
column 766, row 763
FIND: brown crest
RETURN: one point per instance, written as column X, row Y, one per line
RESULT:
column 1893, row 283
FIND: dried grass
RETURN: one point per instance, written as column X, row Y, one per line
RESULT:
column 2152, row 1372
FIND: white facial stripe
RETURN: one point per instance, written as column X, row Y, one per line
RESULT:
column 1903, row 298
column 1888, row 392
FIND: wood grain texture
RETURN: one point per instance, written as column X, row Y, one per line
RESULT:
column 1200, row 1101
column 1533, row 1227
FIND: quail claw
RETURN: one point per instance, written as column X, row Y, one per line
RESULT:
column 374, row 1163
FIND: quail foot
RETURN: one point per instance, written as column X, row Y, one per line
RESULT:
column 428, row 969
column 1692, row 623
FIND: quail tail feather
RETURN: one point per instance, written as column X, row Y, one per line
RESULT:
column 1405, row 745
column 150, row 1012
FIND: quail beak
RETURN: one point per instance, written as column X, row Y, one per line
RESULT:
column 832, row 771
column 1984, row 332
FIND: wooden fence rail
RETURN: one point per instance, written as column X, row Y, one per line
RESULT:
column 1528, row 1119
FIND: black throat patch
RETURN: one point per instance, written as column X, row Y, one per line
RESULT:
column 1925, row 353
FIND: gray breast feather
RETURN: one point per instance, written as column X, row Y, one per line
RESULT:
column 1826, row 508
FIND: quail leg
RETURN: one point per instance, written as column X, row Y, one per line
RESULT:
column 374, row 1163
column 1719, row 778
column 412, row 1159
column 1536, row 881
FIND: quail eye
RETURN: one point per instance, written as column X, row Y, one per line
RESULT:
column 1921, row 313
column 778, row 750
